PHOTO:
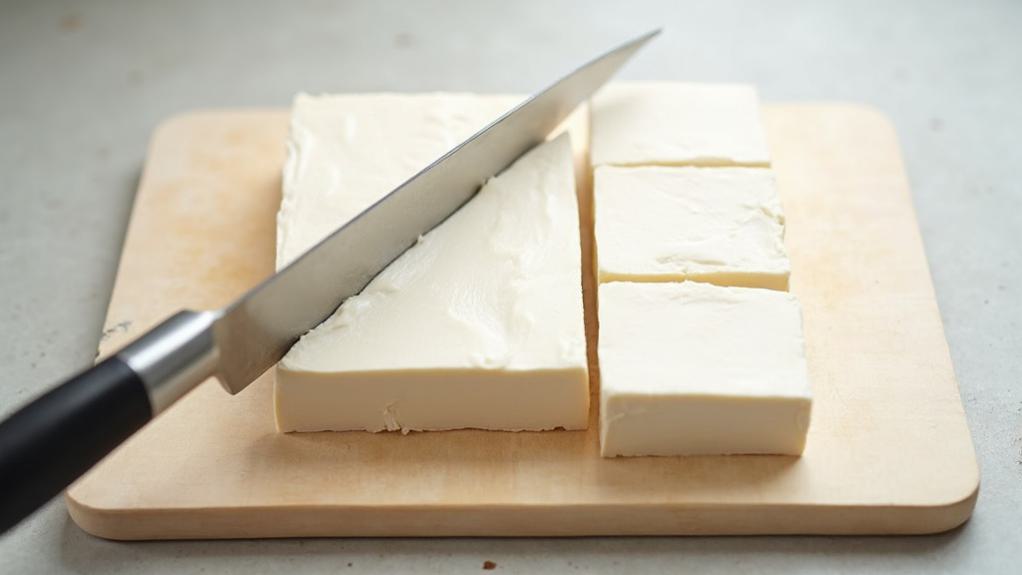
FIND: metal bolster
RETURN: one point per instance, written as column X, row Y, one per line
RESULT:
column 174, row 357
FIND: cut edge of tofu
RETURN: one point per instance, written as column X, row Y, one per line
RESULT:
column 407, row 400
column 703, row 425
column 742, row 279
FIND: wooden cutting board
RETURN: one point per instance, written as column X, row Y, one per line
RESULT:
column 888, row 450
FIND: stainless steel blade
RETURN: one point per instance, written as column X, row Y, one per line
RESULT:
column 255, row 331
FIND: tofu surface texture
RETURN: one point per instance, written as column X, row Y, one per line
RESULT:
column 677, row 124
column 346, row 151
column 479, row 325
column 718, row 225
column 692, row 368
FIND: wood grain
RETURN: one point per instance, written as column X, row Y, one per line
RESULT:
column 888, row 450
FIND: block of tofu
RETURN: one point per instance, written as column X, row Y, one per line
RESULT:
column 693, row 368
column 676, row 124
column 346, row 151
column 479, row 325
column 718, row 225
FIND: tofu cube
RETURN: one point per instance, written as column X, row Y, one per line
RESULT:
column 717, row 225
column 676, row 124
column 692, row 368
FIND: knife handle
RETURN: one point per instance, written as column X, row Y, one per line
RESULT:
column 53, row 440
column 56, row 438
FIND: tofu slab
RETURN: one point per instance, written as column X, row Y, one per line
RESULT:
column 479, row 325
column 692, row 368
column 718, row 225
column 346, row 151
column 677, row 124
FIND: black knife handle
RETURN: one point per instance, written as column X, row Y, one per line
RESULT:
column 53, row 440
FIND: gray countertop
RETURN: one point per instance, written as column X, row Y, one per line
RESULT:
column 83, row 84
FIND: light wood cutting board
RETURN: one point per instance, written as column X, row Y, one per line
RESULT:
column 888, row 450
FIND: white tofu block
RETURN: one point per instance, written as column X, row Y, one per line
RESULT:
column 479, row 325
column 675, row 124
column 692, row 368
column 347, row 151
column 718, row 225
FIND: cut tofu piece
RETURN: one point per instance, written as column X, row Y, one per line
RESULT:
column 692, row 368
column 347, row 151
column 718, row 225
column 479, row 325
column 677, row 124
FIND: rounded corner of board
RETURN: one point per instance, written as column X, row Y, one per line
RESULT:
column 960, row 509
column 952, row 512
column 95, row 520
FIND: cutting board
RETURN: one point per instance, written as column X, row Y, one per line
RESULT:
column 888, row 450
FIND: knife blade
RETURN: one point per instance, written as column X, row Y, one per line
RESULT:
column 53, row 440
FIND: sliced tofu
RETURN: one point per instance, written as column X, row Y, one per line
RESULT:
column 347, row 151
column 692, row 368
column 718, row 225
column 676, row 124
column 479, row 325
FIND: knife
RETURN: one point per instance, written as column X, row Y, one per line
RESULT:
column 53, row 440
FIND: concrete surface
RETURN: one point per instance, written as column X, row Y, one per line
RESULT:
column 83, row 83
